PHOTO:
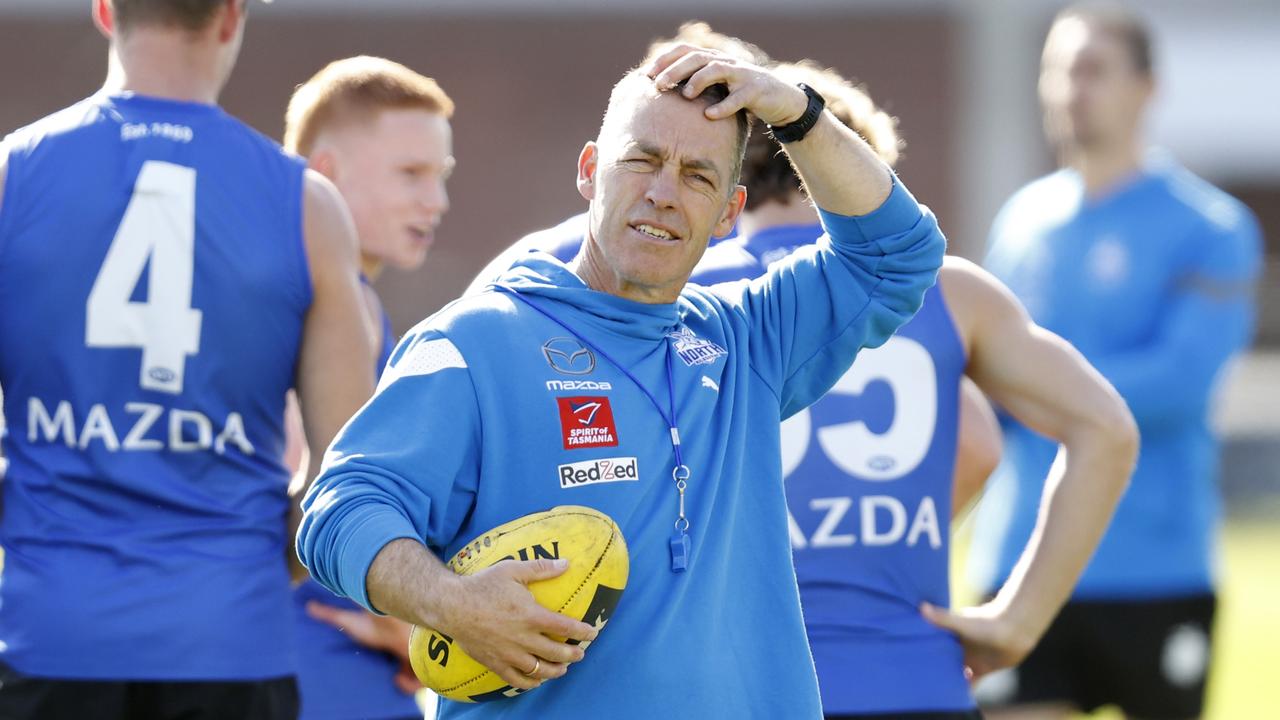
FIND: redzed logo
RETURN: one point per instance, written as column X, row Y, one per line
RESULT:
column 604, row 470
column 587, row 422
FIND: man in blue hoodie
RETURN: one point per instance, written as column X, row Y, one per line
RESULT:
column 466, row 429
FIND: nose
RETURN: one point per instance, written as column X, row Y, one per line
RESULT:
column 662, row 189
column 434, row 197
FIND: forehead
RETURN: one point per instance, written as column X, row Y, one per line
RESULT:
column 403, row 131
column 678, row 128
column 1074, row 39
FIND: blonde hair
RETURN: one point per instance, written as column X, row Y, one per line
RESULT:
column 352, row 91
column 700, row 34
column 766, row 171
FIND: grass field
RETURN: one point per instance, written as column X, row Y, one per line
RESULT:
column 1243, row 684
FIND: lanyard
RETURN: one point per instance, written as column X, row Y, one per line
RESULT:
column 680, row 543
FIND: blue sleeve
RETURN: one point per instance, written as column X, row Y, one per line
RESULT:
column 405, row 466
column 811, row 313
column 1170, row 379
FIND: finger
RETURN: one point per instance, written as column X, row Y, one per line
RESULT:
column 336, row 617
column 709, row 74
column 682, row 69
column 550, row 623
column 515, row 678
column 406, row 680
column 527, row 571
column 942, row 618
column 557, row 652
column 671, row 55
column 736, row 101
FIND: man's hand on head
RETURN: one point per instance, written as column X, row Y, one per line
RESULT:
column 752, row 88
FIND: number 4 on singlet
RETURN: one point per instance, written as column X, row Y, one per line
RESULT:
column 158, row 226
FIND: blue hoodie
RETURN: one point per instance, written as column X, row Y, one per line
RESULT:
column 471, row 423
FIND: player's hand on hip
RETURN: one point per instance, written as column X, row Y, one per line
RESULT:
column 496, row 621
column 379, row 632
column 751, row 87
column 991, row 639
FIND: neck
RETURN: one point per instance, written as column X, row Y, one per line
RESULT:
column 164, row 64
column 589, row 266
column 795, row 210
column 370, row 266
column 1101, row 168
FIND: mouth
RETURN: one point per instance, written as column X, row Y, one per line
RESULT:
column 657, row 232
column 421, row 233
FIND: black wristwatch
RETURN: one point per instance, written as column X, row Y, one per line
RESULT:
column 792, row 132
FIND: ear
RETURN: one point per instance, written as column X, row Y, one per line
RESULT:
column 233, row 13
column 103, row 19
column 588, row 161
column 325, row 162
column 732, row 209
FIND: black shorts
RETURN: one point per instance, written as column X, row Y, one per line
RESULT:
column 966, row 715
column 23, row 697
column 1149, row 657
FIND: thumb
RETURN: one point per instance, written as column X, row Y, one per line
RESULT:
column 528, row 571
column 941, row 617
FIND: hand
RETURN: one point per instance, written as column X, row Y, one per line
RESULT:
column 494, row 619
column 751, row 87
column 992, row 640
column 379, row 632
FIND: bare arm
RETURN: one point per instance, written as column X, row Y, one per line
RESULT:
column 335, row 365
column 491, row 614
column 841, row 172
column 978, row 447
column 1046, row 384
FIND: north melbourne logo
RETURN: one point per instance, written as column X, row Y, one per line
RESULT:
column 604, row 470
column 587, row 422
column 693, row 350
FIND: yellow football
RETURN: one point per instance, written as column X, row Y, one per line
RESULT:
column 588, row 590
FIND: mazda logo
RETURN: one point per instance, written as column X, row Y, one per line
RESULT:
column 568, row 356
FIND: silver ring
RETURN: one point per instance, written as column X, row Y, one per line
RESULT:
column 537, row 663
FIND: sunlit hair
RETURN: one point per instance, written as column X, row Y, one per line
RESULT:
column 353, row 91
column 1115, row 19
column 767, row 172
column 700, row 34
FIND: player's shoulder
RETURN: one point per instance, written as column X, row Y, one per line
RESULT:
column 725, row 262
column 1038, row 206
column 1201, row 202
column 77, row 117
column 479, row 317
column 971, row 293
column 1049, row 193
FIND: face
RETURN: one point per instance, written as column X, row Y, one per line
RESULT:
column 1092, row 94
column 392, row 173
column 660, row 186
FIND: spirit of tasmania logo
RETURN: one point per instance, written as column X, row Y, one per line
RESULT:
column 587, row 422
column 693, row 350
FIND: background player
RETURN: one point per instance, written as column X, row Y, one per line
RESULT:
column 869, row 467
column 1149, row 271
column 381, row 133
column 181, row 273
